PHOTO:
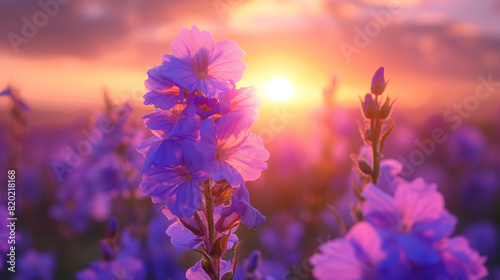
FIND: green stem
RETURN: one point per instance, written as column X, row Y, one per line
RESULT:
column 210, row 220
column 210, row 213
column 375, row 128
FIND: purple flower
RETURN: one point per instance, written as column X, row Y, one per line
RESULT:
column 206, row 107
column 253, row 261
column 231, row 152
column 130, row 246
column 117, row 265
column 202, row 140
column 112, row 228
column 478, row 191
column 177, row 184
column 162, row 257
column 181, row 236
column 461, row 261
column 240, row 204
column 197, row 273
column 198, row 62
column 378, row 82
column 483, row 237
column 465, row 146
column 115, row 135
column 123, row 268
column 415, row 207
column 6, row 92
column 34, row 265
column 282, row 238
column 72, row 204
column 166, row 152
column 240, row 99
column 18, row 101
column 388, row 177
column 415, row 216
column 163, row 92
column 178, row 123
column 100, row 205
column 256, row 268
column 389, row 170
column 351, row 258
column 106, row 175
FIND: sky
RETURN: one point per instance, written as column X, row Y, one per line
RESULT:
column 62, row 55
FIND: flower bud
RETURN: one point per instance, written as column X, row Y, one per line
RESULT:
column 226, row 223
column 386, row 108
column 112, row 228
column 196, row 231
column 228, row 276
column 365, row 167
column 368, row 105
column 106, row 251
column 253, row 261
column 208, row 268
column 219, row 246
column 200, row 223
column 378, row 82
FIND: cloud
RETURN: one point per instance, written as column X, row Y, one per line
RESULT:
column 88, row 28
column 75, row 28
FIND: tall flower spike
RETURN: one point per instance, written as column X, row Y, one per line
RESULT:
column 202, row 151
column 403, row 230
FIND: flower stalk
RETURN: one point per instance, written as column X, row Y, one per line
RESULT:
column 375, row 133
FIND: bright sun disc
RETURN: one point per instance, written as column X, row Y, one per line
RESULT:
column 279, row 89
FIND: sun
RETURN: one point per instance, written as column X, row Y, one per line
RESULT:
column 279, row 89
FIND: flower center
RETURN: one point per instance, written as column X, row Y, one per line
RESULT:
column 221, row 153
column 202, row 75
column 188, row 177
column 404, row 228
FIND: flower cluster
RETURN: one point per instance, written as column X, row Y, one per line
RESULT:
column 107, row 171
column 405, row 230
column 118, row 258
column 202, row 151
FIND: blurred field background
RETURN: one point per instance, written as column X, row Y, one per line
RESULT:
column 443, row 58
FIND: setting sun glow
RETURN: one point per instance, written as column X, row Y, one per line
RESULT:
column 279, row 89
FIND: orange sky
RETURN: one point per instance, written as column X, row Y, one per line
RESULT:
column 432, row 52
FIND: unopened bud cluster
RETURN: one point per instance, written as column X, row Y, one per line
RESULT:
column 376, row 110
column 373, row 108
